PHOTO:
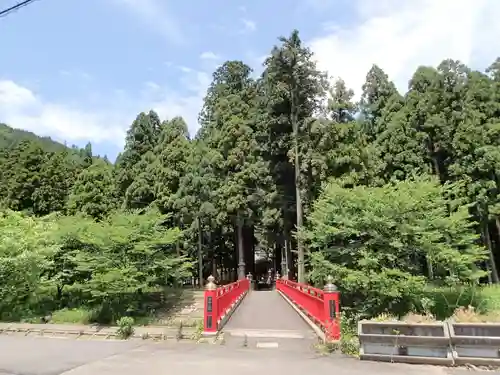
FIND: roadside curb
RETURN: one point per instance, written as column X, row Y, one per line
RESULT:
column 98, row 332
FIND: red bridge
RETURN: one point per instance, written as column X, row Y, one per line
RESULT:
column 290, row 315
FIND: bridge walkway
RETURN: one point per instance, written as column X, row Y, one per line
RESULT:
column 266, row 320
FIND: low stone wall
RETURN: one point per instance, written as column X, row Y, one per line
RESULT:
column 98, row 332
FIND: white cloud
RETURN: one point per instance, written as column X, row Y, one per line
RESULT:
column 15, row 97
column 155, row 15
column 169, row 103
column 209, row 55
column 400, row 36
column 24, row 108
column 248, row 25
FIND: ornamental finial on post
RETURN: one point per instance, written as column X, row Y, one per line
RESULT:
column 211, row 285
column 330, row 286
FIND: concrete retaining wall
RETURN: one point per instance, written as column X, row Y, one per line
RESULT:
column 406, row 343
column 475, row 343
column 445, row 343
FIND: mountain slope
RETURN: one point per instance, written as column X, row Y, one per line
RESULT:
column 10, row 137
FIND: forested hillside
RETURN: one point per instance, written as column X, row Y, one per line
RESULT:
column 389, row 195
column 10, row 137
column 36, row 172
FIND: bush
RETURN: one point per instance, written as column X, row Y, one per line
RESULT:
column 81, row 316
column 73, row 269
column 383, row 245
column 125, row 327
column 462, row 303
column 24, row 246
column 365, row 294
column 349, row 342
column 446, row 300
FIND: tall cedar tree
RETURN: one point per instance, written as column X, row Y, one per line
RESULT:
column 294, row 91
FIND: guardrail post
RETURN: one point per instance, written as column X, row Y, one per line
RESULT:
column 331, row 300
column 210, row 308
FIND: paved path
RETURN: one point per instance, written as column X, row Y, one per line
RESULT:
column 265, row 319
column 266, row 310
column 46, row 356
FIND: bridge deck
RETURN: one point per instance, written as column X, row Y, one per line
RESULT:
column 267, row 311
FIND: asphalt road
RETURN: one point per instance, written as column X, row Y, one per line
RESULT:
column 49, row 356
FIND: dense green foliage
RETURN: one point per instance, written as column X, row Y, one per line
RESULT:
column 383, row 245
column 390, row 195
column 74, row 261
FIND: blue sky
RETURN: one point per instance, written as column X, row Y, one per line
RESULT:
column 80, row 70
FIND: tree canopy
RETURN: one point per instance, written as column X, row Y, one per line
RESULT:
column 389, row 193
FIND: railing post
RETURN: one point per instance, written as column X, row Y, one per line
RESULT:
column 250, row 282
column 331, row 300
column 210, row 315
column 276, row 278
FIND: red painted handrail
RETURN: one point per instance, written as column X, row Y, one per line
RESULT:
column 321, row 306
column 228, row 294
column 220, row 301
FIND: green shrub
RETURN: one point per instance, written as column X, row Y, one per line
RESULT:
column 81, row 316
column 378, row 242
column 445, row 300
column 349, row 342
column 125, row 327
column 198, row 334
column 488, row 299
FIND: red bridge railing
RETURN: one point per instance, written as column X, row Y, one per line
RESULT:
column 220, row 302
column 321, row 306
